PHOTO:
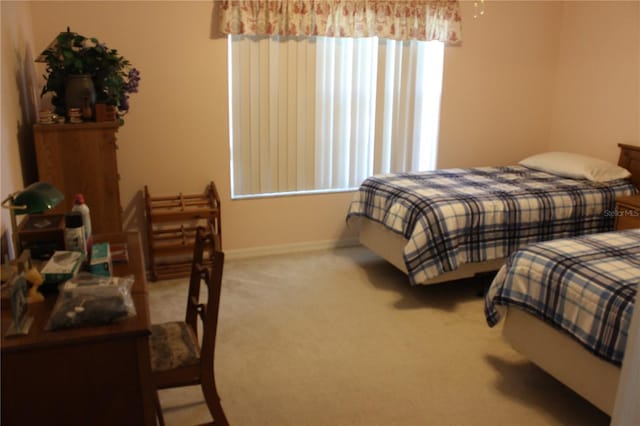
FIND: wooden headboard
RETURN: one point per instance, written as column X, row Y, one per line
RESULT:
column 630, row 160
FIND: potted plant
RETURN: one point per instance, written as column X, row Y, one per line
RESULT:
column 105, row 76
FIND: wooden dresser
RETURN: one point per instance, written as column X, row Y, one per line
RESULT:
column 82, row 158
column 628, row 212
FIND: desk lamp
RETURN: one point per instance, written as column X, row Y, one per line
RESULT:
column 35, row 198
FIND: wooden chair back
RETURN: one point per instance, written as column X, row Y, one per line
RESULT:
column 208, row 271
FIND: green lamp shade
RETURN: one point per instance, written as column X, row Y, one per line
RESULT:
column 37, row 198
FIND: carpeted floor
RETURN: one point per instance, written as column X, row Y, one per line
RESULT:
column 340, row 338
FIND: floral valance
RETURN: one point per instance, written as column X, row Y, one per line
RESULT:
column 396, row 20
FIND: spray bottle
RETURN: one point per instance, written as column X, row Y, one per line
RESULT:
column 80, row 206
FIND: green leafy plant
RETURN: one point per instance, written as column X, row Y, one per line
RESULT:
column 113, row 76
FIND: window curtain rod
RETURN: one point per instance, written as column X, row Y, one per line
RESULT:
column 424, row 20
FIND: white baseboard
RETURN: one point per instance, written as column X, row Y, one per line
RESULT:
column 288, row 248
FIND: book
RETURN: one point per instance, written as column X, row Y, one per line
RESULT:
column 100, row 263
column 119, row 252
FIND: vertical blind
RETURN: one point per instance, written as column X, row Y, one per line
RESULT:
column 324, row 113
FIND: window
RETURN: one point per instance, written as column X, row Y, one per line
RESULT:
column 322, row 114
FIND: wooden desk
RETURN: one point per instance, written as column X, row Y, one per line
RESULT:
column 84, row 376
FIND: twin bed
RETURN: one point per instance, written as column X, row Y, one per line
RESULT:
column 453, row 223
column 449, row 224
column 563, row 296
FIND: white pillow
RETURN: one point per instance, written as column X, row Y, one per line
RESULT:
column 575, row 166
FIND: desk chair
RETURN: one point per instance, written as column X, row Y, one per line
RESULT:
column 177, row 358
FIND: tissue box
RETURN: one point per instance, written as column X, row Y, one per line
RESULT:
column 100, row 259
column 62, row 266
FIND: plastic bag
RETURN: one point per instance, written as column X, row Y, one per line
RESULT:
column 91, row 300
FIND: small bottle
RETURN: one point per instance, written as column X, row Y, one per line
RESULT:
column 80, row 206
column 87, row 113
column 74, row 236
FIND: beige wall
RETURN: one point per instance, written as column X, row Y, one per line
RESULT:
column 596, row 102
column 497, row 86
column 17, row 97
column 497, row 105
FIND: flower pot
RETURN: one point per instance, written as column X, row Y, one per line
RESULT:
column 111, row 113
column 79, row 92
column 105, row 112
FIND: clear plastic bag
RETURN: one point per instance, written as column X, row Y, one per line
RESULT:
column 91, row 300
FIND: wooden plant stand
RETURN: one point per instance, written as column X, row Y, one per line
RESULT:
column 171, row 227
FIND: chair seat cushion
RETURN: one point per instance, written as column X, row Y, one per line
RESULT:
column 172, row 345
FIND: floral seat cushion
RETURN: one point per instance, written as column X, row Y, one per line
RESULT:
column 172, row 345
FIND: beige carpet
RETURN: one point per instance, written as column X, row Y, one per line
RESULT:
column 340, row 338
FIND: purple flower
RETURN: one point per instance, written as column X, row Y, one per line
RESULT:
column 131, row 86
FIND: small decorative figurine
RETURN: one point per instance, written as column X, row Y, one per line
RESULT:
column 34, row 278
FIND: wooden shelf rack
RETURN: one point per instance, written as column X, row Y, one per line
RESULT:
column 171, row 226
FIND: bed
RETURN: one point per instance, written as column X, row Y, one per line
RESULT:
column 454, row 223
column 567, row 306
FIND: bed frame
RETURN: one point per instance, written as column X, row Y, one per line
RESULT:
column 630, row 160
column 591, row 377
column 389, row 245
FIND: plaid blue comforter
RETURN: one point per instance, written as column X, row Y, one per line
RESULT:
column 456, row 216
column 586, row 286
